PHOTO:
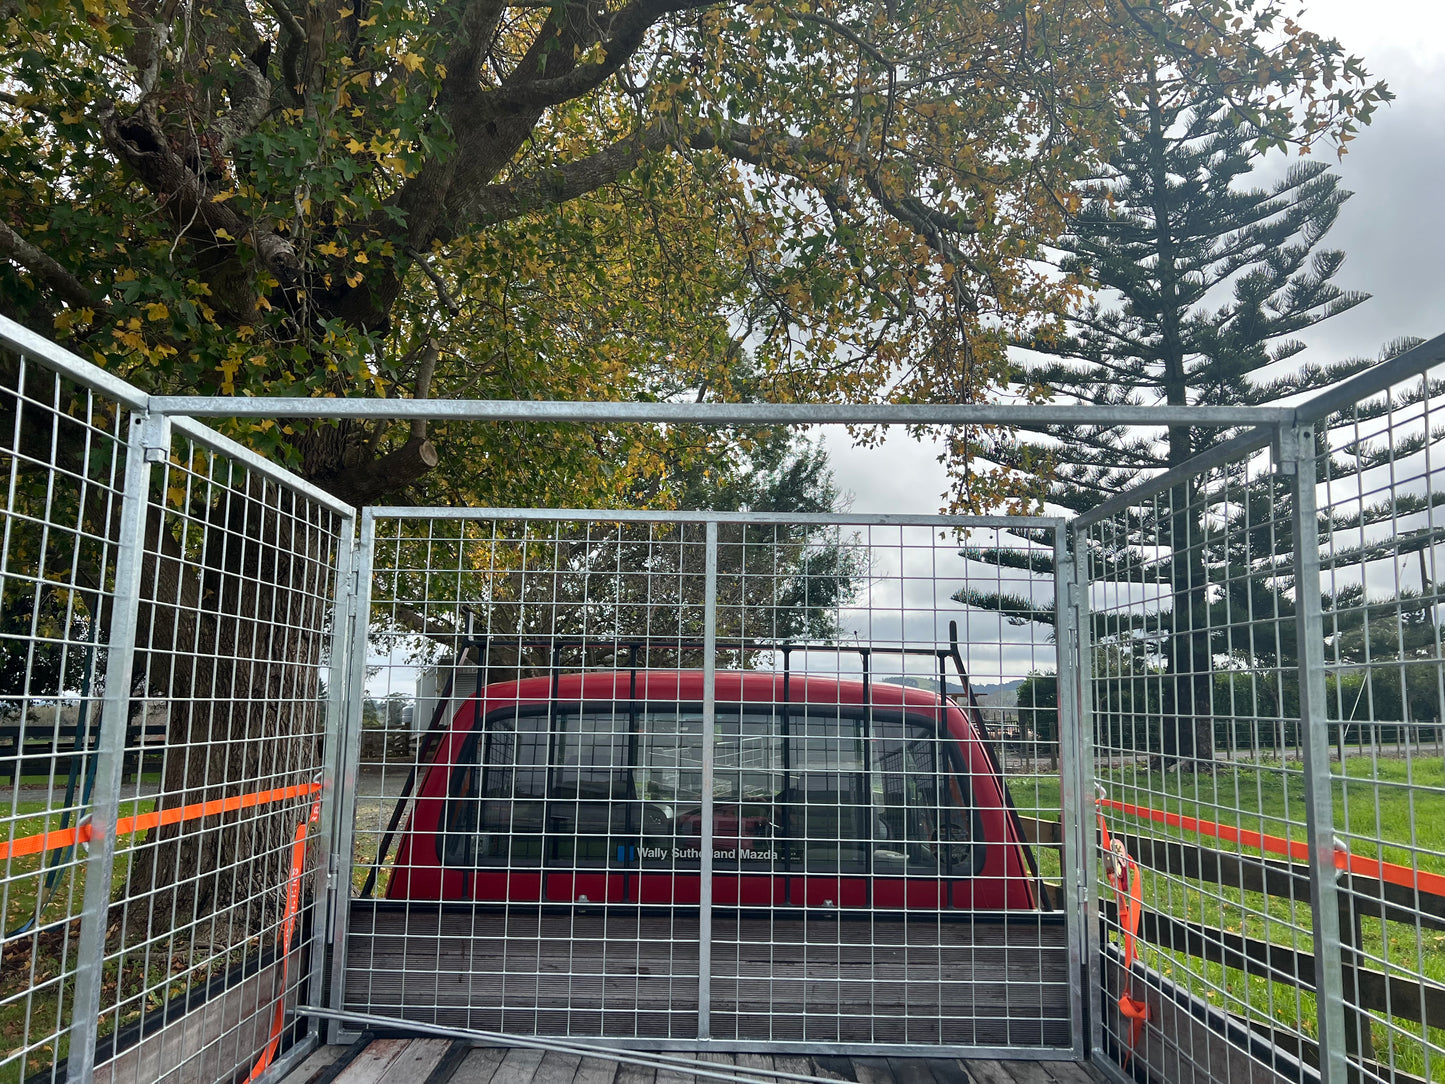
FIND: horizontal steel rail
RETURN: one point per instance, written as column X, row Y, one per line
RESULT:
column 1372, row 381
column 550, row 411
column 820, row 519
column 57, row 358
column 1225, row 452
column 207, row 437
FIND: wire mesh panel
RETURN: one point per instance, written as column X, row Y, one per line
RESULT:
column 1377, row 464
column 63, row 459
column 663, row 779
column 223, row 757
column 1200, row 777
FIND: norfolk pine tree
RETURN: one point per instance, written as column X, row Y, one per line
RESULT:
column 1199, row 282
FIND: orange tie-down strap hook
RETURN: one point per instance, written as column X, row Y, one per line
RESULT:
column 1124, row 875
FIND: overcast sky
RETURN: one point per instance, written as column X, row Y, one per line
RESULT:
column 1392, row 231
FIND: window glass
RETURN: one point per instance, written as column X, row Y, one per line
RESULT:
column 828, row 825
column 500, row 823
column 587, row 815
column 923, row 805
column 807, row 792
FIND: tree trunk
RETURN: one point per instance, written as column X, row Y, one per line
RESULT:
column 231, row 638
column 1188, row 708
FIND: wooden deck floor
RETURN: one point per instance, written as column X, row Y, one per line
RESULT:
column 996, row 982
column 442, row 1061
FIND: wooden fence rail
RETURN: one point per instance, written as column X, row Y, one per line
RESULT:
column 1403, row 997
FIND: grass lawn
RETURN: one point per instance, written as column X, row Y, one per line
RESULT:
column 1393, row 809
column 37, row 966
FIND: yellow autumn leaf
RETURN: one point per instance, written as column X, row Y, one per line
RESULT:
column 411, row 62
column 157, row 310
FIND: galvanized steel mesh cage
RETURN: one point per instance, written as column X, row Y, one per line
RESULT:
column 169, row 602
column 651, row 853
column 215, row 682
column 1263, row 697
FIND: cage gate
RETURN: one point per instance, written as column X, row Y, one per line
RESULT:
column 642, row 795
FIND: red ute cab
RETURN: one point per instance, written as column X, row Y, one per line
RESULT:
column 827, row 793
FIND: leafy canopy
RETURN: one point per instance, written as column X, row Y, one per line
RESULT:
column 580, row 199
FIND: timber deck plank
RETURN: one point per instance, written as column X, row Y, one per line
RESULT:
column 629, row 974
column 394, row 1061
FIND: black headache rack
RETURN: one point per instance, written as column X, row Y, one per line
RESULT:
column 639, row 652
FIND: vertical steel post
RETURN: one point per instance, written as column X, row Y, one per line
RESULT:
column 1087, row 872
column 1073, row 798
column 1296, row 459
column 349, row 725
column 149, row 441
column 337, row 801
column 709, row 742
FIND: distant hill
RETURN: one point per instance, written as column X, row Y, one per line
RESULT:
column 994, row 690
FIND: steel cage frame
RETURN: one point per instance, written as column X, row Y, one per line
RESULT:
column 1288, row 437
column 348, row 1023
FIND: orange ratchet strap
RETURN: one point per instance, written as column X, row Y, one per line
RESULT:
column 1430, row 883
column 83, row 833
column 288, row 927
column 1128, row 885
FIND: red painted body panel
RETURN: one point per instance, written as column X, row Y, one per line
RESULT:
column 1004, row 882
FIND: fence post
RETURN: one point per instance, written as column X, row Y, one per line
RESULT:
column 1075, row 799
column 333, row 871
column 1358, row 1041
column 709, row 752
column 149, row 439
column 349, row 755
column 1297, row 461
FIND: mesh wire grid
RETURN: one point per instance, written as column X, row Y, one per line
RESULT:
column 167, row 607
column 696, row 798
column 1260, row 637
column 211, row 887
column 1378, row 466
column 1197, row 767
column 1265, row 689
column 62, row 454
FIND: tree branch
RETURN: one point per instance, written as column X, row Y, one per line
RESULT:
column 140, row 143
column 425, row 370
column 627, row 30
column 368, row 482
column 443, row 294
column 502, row 202
column 66, row 286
